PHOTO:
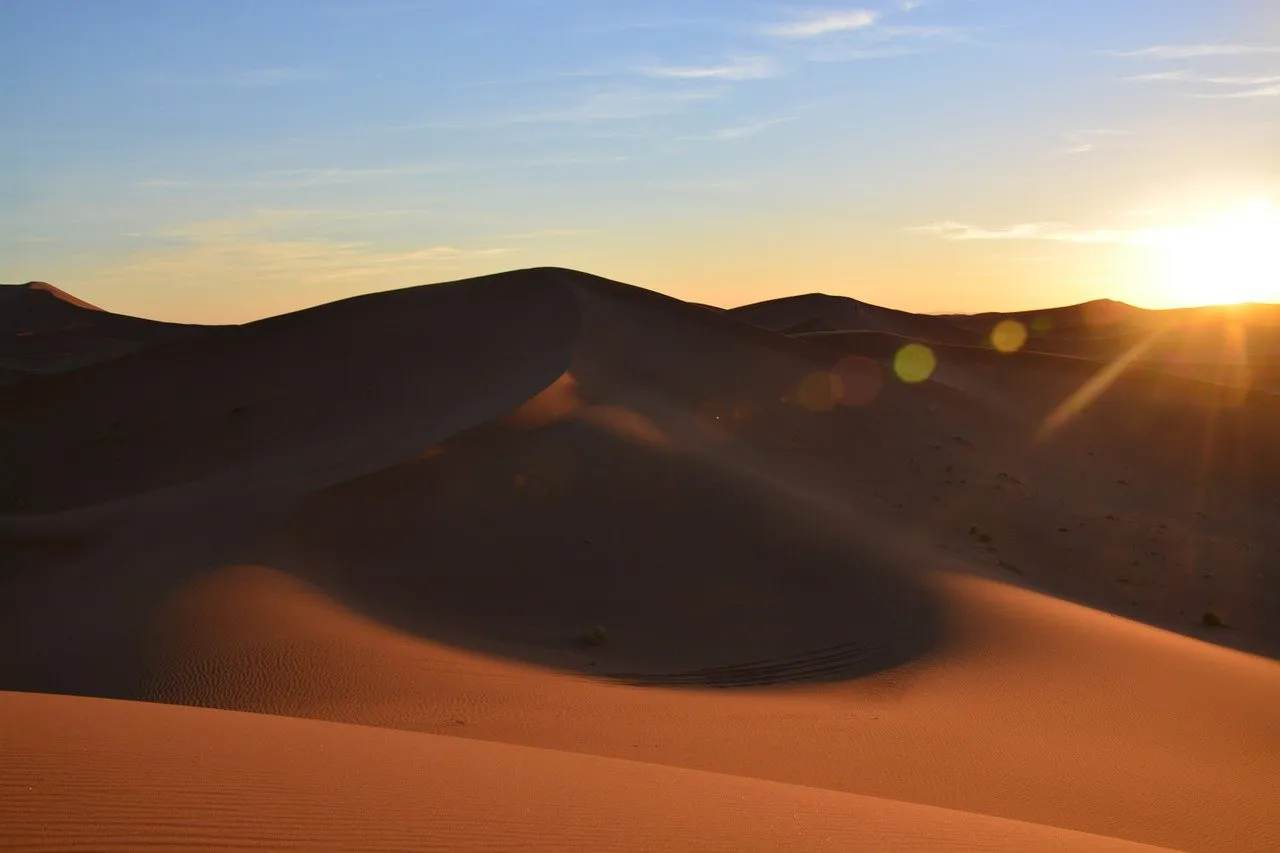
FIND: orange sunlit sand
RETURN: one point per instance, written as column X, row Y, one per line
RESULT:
column 542, row 560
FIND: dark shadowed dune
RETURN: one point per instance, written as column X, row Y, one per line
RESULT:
column 518, row 542
column 1233, row 345
column 44, row 330
column 1100, row 318
column 818, row 312
column 591, row 453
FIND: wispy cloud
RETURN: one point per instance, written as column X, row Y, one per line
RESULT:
column 824, row 23
column 1186, row 75
column 1181, row 75
column 742, row 131
column 952, row 230
column 1259, row 92
column 1243, row 80
column 862, row 34
column 1191, row 51
column 1246, row 85
column 1052, row 231
column 1087, row 141
column 747, row 68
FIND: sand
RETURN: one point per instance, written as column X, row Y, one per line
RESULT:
column 44, row 330
column 223, row 779
column 545, row 560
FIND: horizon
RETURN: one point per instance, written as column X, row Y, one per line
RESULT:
column 72, row 298
column 222, row 162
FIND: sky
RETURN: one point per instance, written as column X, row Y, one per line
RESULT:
column 223, row 160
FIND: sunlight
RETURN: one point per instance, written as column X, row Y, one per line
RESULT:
column 1093, row 389
column 1228, row 258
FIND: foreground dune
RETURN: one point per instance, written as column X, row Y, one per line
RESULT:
column 173, row 777
column 600, row 567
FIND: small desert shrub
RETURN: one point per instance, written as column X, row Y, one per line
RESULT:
column 595, row 636
column 1212, row 620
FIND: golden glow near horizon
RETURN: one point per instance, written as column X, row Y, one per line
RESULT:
column 750, row 152
column 1228, row 257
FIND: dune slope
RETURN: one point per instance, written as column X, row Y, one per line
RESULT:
column 271, row 783
column 44, row 330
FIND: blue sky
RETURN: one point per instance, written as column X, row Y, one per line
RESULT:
column 218, row 161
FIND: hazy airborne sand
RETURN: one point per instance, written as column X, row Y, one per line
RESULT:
column 409, row 509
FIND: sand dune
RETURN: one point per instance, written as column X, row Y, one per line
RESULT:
column 46, row 330
column 605, row 569
column 818, row 312
column 276, row 783
column 1235, row 345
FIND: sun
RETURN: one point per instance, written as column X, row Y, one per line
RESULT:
column 1227, row 258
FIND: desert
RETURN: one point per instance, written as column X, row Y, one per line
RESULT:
column 543, row 543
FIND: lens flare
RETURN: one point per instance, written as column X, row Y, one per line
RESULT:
column 860, row 380
column 819, row 391
column 1009, row 336
column 1093, row 388
column 914, row 363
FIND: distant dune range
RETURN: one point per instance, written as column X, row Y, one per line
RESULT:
column 626, row 572
column 1203, row 343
